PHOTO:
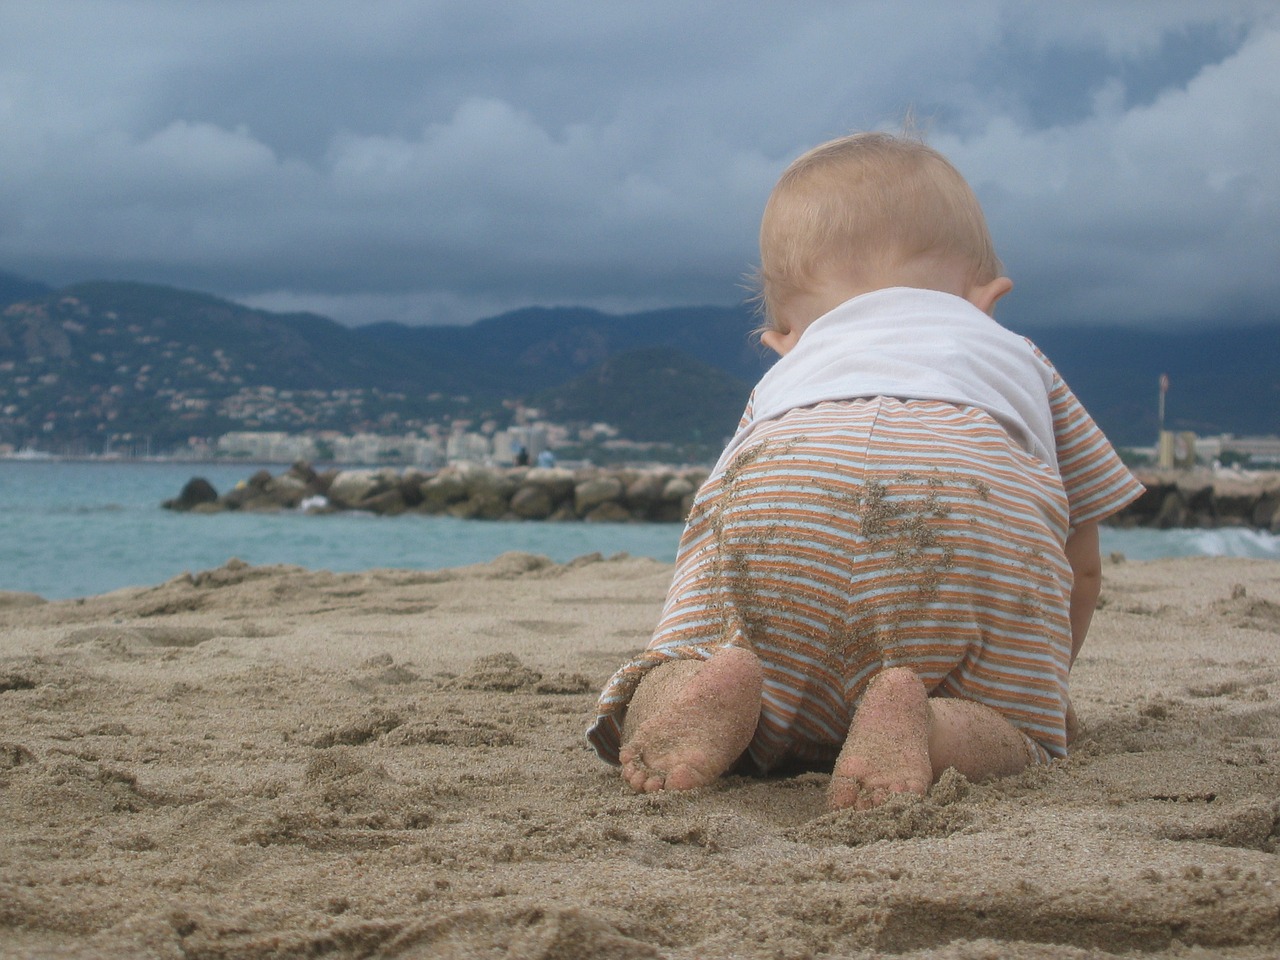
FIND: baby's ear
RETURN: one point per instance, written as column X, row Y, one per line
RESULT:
column 780, row 343
column 984, row 295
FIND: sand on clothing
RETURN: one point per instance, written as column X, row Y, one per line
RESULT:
column 276, row 762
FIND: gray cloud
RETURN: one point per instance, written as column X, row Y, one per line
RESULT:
column 438, row 162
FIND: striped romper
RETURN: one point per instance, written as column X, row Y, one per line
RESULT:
column 854, row 535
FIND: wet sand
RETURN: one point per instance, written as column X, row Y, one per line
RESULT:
column 275, row 762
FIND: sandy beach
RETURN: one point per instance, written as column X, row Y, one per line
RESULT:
column 276, row 762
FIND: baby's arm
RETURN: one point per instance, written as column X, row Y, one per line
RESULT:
column 1085, row 557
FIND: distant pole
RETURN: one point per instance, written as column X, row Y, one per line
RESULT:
column 1164, row 440
column 1164, row 389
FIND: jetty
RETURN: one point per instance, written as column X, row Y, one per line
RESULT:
column 1197, row 498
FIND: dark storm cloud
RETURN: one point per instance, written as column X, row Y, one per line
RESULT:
column 443, row 161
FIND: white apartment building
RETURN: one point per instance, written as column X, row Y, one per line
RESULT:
column 267, row 446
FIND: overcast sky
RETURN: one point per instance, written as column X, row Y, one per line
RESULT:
column 438, row 162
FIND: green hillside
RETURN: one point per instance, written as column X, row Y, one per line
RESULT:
column 96, row 361
column 654, row 394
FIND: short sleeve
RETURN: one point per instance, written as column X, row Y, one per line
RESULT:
column 1097, row 483
column 748, row 414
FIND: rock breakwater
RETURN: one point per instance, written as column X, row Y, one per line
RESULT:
column 1173, row 499
column 465, row 490
column 1204, row 498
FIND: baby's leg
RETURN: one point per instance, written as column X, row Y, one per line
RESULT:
column 901, row 740
column 689, row 720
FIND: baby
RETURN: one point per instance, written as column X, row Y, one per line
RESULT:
column 895, row 561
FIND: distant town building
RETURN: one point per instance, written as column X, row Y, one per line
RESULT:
column 464, row 445
column 1259, row 450
column 277, row 447
column 266, row 446
column 507, row 444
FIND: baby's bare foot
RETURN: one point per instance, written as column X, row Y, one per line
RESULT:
column 887, row 750
column 693, row 730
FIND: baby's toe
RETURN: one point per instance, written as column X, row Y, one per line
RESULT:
column 640, row 777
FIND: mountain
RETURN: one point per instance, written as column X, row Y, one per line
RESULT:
column 653, row 394
column 129, row 360
column 1222, row 379
column 539, row 347
column 14, row 288
column 96, row 361
column 100, row 360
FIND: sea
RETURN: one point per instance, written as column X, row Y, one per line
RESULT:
column 79, row 528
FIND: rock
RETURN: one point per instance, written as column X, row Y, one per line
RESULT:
column 677, row 488
column 287, row 490
column 1234, row 503
column 532, row 502
column 589, row 494
column 669, row 512
column 493, row 484
column 449, row 486
column 410, row 484
column 563, row 513
column 697, row 476
column 1143, row 511
column 302, row 471
column 324, row 480
column 351, row 486
column 196, row 491
column 248, row 494
column 264, row 493
column 464, row 510
column 557, row 481
column 488, row 504
column 1172, row 512
column 1265, row 513
column 611, row 511
column 388, row 503
column 468, row 490
column 645, row 490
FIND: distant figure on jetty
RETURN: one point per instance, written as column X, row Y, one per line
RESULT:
column 895, row 561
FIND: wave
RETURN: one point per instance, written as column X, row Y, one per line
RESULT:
column 1142, row 544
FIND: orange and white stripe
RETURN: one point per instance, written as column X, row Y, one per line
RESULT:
column 859, row 534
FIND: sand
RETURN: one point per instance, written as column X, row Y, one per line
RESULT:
column 276, row 762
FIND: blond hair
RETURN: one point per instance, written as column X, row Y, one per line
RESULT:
column 870, row 205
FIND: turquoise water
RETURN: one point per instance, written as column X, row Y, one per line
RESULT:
column 71, row 529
